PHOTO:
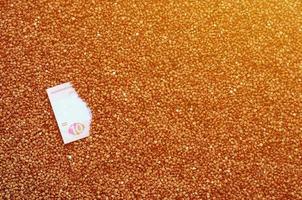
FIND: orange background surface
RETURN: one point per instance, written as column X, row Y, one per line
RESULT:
column 190, row 99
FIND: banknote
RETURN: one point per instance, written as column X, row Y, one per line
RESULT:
column 72, row 114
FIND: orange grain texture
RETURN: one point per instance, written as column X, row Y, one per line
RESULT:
column 190, row 99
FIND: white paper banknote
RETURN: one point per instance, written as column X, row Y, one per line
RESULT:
column 71, row 112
